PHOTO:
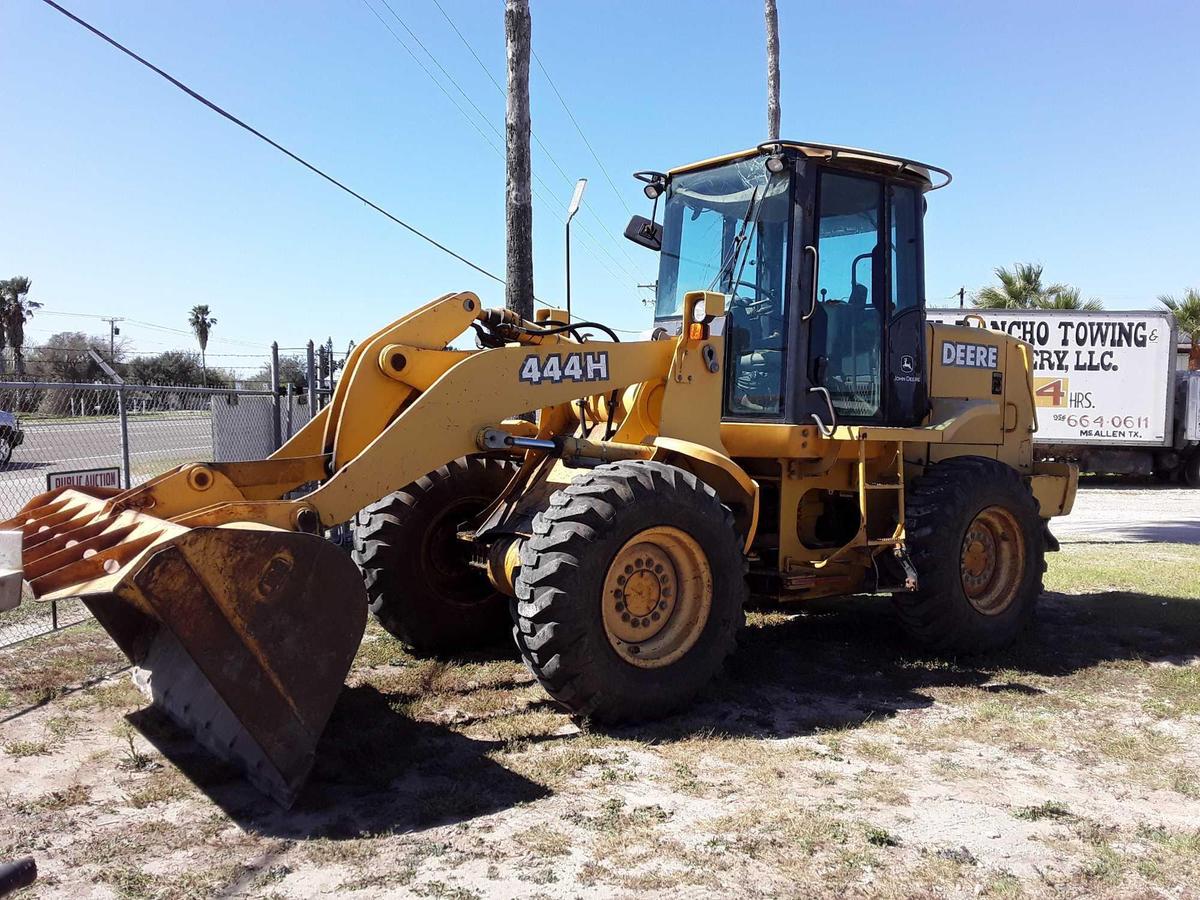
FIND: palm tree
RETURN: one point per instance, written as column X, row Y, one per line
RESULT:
column 1020, row 288
column 202, row 322
column 16, row 309
column 1187, row 315
column 1069, row 298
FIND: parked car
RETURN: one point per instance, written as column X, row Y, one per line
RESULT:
column 11, row 436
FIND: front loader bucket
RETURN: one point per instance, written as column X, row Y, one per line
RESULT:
column 242, row 634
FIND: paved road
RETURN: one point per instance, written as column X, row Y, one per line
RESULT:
column 154, row 444
column 1132, row 513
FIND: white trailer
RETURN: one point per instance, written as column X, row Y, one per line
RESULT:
column 1109, row 391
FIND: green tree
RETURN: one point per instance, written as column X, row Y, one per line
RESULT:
column 1187, row 315
column 15, row 310
column 1069, row 298
column 169, row 367
column 292, row 370
column 1019, row 288
column 64, row 357
column 202, row 321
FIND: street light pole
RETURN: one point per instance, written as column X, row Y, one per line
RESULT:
column 576, row 201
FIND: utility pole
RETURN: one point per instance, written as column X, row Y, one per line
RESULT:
column 113, row 331
column 518, row 194
column 772, row 17
column 962, row 297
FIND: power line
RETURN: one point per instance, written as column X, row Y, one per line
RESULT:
column 154, row 325
column 574, row 122
column 561, row 171
column 628, row 275
column 200, row 98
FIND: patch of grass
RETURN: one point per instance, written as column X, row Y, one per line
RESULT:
column 132, row 756
column 880, row 837
column 73, row 795
column 163, row 785
column 1174, row 691
column 46, row 667
column 1106, row 864
column 544, row 841
column 683, row 779
column 1183, row 780
column 130, row 882
column 443, row 891
column 118, row 693
column 62, row 727
column 1051, row 809
column 1167, row 570
column 1137, row 746
column 1005, row 886
column 21, row 749
column 877, row 751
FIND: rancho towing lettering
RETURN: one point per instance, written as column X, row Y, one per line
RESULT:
column 970, row 356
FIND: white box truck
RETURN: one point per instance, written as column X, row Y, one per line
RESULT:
column 1112, row 391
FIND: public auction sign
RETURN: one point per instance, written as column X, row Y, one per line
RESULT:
column 108, row 478
column 1099, row 378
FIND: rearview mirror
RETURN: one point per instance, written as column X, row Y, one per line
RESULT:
column 644, row 233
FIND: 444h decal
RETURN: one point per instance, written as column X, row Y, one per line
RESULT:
column 559, row 367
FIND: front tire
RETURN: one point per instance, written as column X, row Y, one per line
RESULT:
column 420, row 584
column 631, row 591
column 977, row 543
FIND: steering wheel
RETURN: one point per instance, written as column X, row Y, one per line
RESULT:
column 758, row 307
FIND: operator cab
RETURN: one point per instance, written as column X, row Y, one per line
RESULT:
column 819, row 251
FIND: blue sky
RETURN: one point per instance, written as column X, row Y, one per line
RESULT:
column 1071, row 129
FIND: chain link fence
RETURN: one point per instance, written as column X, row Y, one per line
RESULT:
column 120, row 436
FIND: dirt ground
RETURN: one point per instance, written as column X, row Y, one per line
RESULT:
column 830, row 759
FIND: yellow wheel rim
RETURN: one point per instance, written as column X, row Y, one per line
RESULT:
column 993, row 560
column 657, row 597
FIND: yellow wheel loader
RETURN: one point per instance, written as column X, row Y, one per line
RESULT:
column 794, row 428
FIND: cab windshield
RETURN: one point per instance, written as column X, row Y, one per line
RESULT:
column 726, row 229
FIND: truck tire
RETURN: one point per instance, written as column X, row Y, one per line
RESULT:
column 1190, row 470
column 977, row 543
column 630, row 592
column 420, row 585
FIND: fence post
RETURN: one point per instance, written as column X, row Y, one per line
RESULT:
column 310, row 378
column 275, row 423
column 122, row 413
column 289, row 411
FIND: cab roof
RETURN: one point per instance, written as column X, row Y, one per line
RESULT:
column 931, row 177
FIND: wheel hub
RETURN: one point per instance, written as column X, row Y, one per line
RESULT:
column 656, row 596
column 992, row 560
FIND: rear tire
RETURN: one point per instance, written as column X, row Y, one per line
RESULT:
column 977, row 543
column 420, row 585
column 631, row 591
column 1190, row 470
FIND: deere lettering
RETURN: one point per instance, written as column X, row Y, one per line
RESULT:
column 970, row 356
